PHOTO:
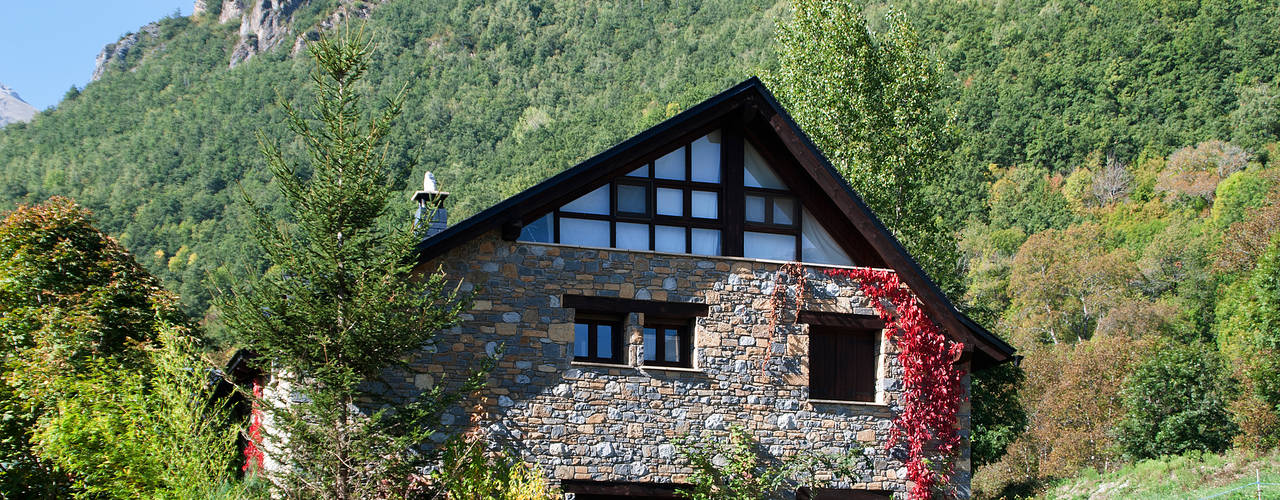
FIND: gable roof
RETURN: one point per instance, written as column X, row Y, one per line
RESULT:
column 747, row 102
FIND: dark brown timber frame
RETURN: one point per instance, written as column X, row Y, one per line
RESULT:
column 841, row 320
column 748, row 107
column 613, row 489
column 624, row 306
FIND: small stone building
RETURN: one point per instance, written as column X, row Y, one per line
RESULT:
column 629, row 302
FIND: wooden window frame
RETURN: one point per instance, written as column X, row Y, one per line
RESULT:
column 651, row 183
column 593, row 322
column 769, row 195
column 684, row 332
column 731, row 195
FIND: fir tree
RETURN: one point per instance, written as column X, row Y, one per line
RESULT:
column 340, row 303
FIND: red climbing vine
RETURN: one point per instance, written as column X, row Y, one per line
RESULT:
column 252, row 448
column 932, row 387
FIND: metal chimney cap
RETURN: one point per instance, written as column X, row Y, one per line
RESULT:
column 430, row 193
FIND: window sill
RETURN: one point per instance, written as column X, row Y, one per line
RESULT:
column 669, row 369
column 598, row 364
column 641, row 368
column 875, row 404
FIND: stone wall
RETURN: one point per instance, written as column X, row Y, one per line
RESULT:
column 617, row 423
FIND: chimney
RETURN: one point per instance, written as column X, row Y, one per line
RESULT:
column 431, row 204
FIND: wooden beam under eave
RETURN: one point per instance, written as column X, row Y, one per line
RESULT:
column 934, row 303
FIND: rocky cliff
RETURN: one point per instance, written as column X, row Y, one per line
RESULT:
column 114, row 54
column 12, row 108
column 265, row 24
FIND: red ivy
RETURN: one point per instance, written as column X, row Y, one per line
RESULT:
column 931, row 381
column 252, row 451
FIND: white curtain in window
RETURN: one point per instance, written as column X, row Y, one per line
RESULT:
column 633, row 236
column 817, row 245
column 670, row 166
column 757, row 171
column 784, row 211
column 669, row 239
column 705, row 241
column 768, row 246
column 670, row 202
column 755, row 208
column 706, row 204
column 706, row 158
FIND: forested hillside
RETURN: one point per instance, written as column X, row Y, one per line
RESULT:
column 1112, row 190
column 499, row 97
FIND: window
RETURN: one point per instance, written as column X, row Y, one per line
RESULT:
column 667, row 344
column 842, row 363
column 672, row 204
column 680, row 202
column 598, row 339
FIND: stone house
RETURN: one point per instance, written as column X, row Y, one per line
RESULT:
column 628, row 299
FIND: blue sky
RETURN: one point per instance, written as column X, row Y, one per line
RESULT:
column 48, row 46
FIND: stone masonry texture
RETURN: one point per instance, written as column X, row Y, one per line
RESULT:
column 619, row 422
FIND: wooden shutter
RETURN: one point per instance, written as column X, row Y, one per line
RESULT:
column 842, row 363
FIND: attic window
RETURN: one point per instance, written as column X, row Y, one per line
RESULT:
column 672, row 204
column 679, row 202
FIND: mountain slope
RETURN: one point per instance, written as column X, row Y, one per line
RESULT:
column 12, row 108
column 503, row 94
column 499, row 96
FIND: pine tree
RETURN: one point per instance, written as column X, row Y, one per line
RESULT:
column 340, row 303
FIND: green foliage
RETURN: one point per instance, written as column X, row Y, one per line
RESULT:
column 70, row 298
column 998, row 415
column 103, row 395
column 1176, row 401
column 872, row 104
column 1237, row 193
column 986, row 257
column 159, row 433
column 470, row 472
column 341, row 302
column 1248, row 332
column 737, row 467
column 1048, row 83
column 1022, row 197
column 1195, row 474
column 1062, row 282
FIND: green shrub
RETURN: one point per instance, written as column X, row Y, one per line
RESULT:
column 1176, row 402
column 156, row 433
column 1236, row 194
column 740, row 469
column 469, row 471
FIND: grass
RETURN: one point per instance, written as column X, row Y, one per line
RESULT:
column 1191, row 476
